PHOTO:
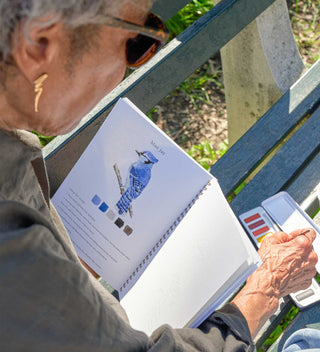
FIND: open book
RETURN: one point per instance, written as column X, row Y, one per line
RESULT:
column 153, row 223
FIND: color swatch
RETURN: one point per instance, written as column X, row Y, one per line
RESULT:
column 258, row 224
column 104, row 208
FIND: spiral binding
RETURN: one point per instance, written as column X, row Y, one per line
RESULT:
column 163, row 239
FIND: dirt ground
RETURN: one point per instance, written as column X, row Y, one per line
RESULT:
column 187, row 115
column 189, row 120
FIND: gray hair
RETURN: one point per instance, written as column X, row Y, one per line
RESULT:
column 74, row 13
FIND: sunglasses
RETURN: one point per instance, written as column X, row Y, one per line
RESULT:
column 151, row 37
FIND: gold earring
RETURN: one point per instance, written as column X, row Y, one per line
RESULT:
column 38, row 89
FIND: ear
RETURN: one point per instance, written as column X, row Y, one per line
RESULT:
column 35, row 48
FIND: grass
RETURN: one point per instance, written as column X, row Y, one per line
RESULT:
column 305, row 21
column 306, row 28
column 195, row 87
column 44, row 140
column 189, row 14
column 205, row 155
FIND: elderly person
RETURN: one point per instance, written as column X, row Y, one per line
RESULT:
column 58, row 58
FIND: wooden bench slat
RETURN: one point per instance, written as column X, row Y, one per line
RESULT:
column 308, row 180
column 168, row 8
column 146, row 87
column 283, row 167
column 251, row 148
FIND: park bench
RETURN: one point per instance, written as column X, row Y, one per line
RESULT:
column 291, row 128
column 283, row 145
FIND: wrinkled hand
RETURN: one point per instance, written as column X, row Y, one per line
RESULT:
column 288, row 261
column 288, row 266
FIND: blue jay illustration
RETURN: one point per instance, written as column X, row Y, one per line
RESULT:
column 138, row 178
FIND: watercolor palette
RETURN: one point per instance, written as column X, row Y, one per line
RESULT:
column 258, row 224
column 281, row 212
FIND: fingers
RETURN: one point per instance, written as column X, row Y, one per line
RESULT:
column 305, row 271
column 295, row 288
column 278, row 237
column 303, row 243
column 301, row 278
column 281, row 237
column 299, row 240
column 289, row 259
column 300, row 281
column 310, row 235
column 313, row 258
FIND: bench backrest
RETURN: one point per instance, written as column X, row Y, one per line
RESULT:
column 297, row 109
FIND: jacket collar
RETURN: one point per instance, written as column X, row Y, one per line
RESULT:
column 19, row 180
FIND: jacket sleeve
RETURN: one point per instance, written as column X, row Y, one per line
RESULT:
column 225, row 330
column 48, row 302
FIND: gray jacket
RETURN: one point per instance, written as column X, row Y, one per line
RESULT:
column 48, row 301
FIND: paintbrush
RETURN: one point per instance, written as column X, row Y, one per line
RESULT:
column 302, row 233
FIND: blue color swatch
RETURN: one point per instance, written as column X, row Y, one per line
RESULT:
column 96, row 200
column 103, row 207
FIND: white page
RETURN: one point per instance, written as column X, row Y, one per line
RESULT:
column 199, row 257
column 175, row 179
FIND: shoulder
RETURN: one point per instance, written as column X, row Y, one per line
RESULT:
column 43, row 290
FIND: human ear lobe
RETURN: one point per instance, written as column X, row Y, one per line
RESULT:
column 35, row 47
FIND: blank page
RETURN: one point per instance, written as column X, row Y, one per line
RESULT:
column 199, row 257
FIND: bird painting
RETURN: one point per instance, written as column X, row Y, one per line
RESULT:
column 139, row 175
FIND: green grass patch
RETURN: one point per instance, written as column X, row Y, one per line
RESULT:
column 305, row 22
column 44, row 140
column 205, row 155
column 196, row 86
column 189, row 14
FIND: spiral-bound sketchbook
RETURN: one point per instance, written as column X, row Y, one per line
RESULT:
column 153, row 223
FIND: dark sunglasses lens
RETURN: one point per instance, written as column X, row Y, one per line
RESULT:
column 154, row 22
column 140, row 49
